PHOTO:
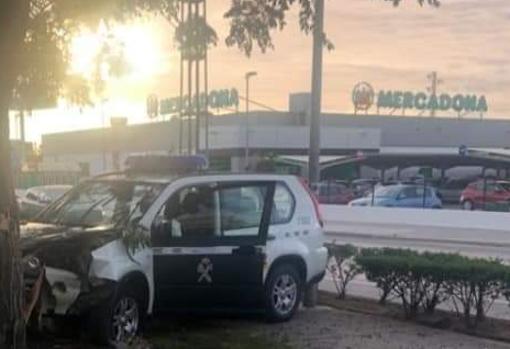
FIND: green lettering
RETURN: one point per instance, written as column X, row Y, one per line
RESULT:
column 470, row 103
column 408, row 100
column 213, row 99
column 385, row 99
column 177, row 105
column 397, row 99
column 432, row 103
column 445, row 102
column 234, row 97
column 223, row 98
column 163, row 106
column 419, row 101
column 458, row 103
column 482, row 105
column 185, row 104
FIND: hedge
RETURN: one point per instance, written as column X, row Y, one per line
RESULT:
column 423, row 280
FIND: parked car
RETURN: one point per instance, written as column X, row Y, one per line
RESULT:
column 505, row 184
column 481, row 193
column 401, row 195
column 451, row 190
column 35, row 199
column 249, row 242
column 333, row 193
column 362, row 187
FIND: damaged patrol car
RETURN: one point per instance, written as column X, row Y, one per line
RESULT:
column 122, row 246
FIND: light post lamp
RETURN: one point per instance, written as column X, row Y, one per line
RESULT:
column 247, row 77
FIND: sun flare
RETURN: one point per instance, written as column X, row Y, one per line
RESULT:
column 141, row 50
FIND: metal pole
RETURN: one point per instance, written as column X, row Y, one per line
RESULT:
column 206, row 88
column 22, row 135
column 314, row 151
column 484, row 192
column 247, row 77
column 197, row 90
column 190, row 88
column 373, row 194
column 181, row 96
column 104, row 134
column 424, row 192
column 246, row 125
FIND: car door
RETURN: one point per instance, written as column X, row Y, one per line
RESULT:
column 408, row 198
column 209, row 246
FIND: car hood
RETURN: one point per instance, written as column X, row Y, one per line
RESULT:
column 63, row 247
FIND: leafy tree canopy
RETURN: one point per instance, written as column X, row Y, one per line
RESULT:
column 41, row 63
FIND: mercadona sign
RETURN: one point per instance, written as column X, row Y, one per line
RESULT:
column 217, row 99
column 363, row 96
column 422, row 101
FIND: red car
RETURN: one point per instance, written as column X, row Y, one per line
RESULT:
column 333, row 193
column 474, row 196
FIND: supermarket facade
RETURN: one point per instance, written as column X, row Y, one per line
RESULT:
column 285, row 135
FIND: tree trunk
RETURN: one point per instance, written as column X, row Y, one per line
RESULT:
column 13, row 20
column 11, row 319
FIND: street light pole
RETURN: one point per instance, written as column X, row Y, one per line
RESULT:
column 247, row 77
column 315, row 115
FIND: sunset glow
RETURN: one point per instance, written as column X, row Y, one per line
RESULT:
column 140, row 48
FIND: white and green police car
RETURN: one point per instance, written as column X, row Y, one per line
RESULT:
column 122, row 246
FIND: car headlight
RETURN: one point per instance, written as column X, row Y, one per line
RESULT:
column 31, row 263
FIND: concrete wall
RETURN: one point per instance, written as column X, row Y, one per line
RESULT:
column 419, row 224
column 291, row 138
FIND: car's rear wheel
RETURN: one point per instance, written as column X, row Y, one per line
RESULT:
column 120, row 320
column 468, row 205
column 283, row 292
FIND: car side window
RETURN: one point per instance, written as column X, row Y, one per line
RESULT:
column 191, row 213
column 208, row 212
column 241, row 210
column 284, row 204
column 408, row 193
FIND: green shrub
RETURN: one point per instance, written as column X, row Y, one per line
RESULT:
column 408, row 275
column 379, row 264
column 342, row 266
column 423, row 280
column 475, row 284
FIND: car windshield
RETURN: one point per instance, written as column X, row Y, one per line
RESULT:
column 387, row 192
column 51, row 193
column 99, row 203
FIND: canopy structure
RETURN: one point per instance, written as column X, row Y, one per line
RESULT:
column 438, row 158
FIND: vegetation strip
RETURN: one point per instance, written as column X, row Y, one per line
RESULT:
column 424, row 280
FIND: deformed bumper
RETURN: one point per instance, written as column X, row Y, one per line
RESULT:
column 97, row 295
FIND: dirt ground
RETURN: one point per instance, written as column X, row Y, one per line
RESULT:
column 320, row 328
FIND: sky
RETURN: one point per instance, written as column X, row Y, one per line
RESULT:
column 466, row 41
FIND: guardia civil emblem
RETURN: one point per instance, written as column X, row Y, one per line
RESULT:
column 204, row 270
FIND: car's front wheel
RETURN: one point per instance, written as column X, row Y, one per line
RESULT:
column 120, row 320
column 283, row 292
column 468, row 205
